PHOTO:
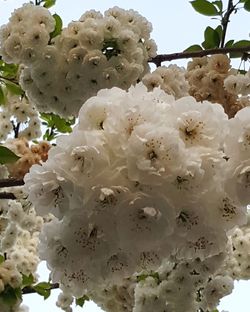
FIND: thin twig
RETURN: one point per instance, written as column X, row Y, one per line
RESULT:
column 225, row 20
column 6, row 195
column 10, row 182
column 158, row 59
column 31, row 290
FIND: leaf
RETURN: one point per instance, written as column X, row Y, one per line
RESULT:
column 49, row 3
column 27, row 280
column 13, row 88
column 239, row 44
column 212, row 38
column 10, row 295
column 56, row 124
column 229, row 43
column 205, row 7
column 7, row 156
column 219, row 30
column 247, row 5
column 2, row 259
column 43, row 289
column 142, row 277
column 8, row 70
column 61, row 124
column 58, row 26
column 2, row 96
column 80, row 301
column 219, row 5
column 193, row 48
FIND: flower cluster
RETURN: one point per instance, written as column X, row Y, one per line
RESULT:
column 140, row 178
column 171, row 79
column 19, row 111
column 208, row 78
column 19, row 230
column 98, row 51
column 26, row 35
column 29, row 155
column 195, row 284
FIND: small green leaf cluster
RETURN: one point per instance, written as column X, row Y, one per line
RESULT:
column 142, row 277
column 8, row 81
column 80, row 301
column 55, row 125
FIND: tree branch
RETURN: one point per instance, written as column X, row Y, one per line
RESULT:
column 10, row 182
column 158, row 59
column 225, row 20
column 6, row 195
column 31, row 290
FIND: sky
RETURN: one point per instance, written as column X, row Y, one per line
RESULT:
column 176, row 26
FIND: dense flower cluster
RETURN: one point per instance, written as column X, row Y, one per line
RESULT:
column 134, row 184
column 19, row 111
column 19, row 230
column 98, row 51
column 171, row 79
column 29, row 155
column 194, row 284
column 209, row 79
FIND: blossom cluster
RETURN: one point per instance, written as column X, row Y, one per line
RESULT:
column 209, row 79
column 141, row 178
column 29, row 155
column 19, row 230
column 98, row 51
column 18, row 110
column 171, row 79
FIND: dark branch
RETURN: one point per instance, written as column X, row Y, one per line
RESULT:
column 16, row 129
column 31, row 290
column 158, row 59
column 5, row 195
column 10, row 182
column 225, row 20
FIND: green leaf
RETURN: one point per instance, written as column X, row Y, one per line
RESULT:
column 2, row 259
column 80, row 301
column 229, row 44
column 247, row 5
column 56, row 124
column 49, row 3
column 7, row 156
column 61, row 124
column 239, row 44
column 10, row 295
column 219, row 30
column 205, row 7
column 58, row 26
column 142, row 277
column 219, row 5
column 212, row 38
column 13, row 88
column 2, row 96
column 43, row 289
column 193, row 48
column 8, row 70
column 27, row 280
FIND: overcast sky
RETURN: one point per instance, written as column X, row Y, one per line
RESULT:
column 175, row 27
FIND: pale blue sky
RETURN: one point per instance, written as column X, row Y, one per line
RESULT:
column 176, row 26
